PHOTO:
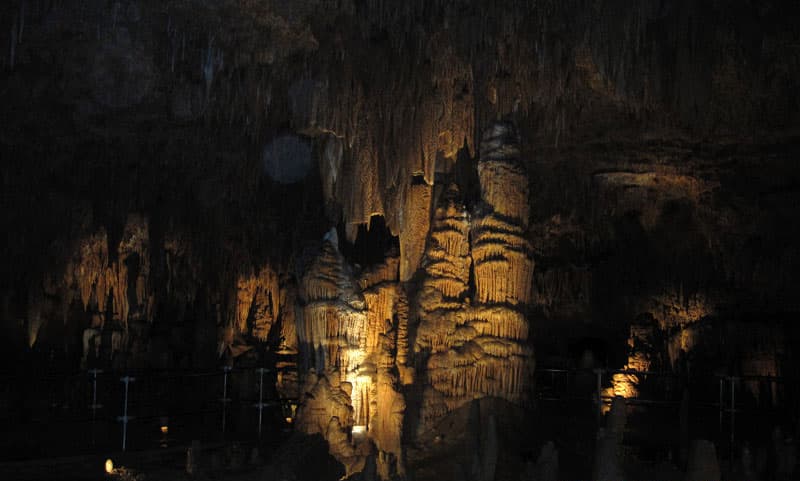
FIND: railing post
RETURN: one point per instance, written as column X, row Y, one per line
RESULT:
column 261, row 403
column 125, row 418
column 733, row 414
column 94, row 406
column 225, row 399
column 721, row 404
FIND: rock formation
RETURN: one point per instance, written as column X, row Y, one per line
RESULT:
column 478, row 270
column 326, row 409
column 350, row 329
column 170, row 166
column 111, row 283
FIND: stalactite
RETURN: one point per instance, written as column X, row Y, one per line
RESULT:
column 98, row 278
column 258, row 298
column 414, row 225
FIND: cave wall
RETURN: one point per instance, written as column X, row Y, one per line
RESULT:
column 170, row 171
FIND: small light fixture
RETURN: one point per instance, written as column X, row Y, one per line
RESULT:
column 109, row 466
column 164, row 429
column 289, row 420
column 359, row 430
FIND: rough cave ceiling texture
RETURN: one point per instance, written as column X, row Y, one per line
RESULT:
column 170, row 170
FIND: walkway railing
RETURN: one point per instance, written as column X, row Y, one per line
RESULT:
column 729, row 409
column 96, row 410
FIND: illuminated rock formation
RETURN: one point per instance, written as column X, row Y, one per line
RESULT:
column 287, row 382
column 414, row 226
column 159, row 202
column 446, row 281
column 325, row 408
column 350, row 328
column 504, row 182
column 258, row 302
column 641, row 347
column 386, row 425
column 122, row 281
column 115, row 289
column 474, row 341
column 334, row 320
column 502, row 255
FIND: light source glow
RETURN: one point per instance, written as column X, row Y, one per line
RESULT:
column 109, row 466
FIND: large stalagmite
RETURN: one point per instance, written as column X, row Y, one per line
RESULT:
column 333, row 314
column 331, row 331
column 473, row 333
column 350, row 329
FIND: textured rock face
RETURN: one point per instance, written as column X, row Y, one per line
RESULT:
column 472, row 333
column 122, row 282
column 113, row 292
column 350, row 329
column 500, row 249
column 472, row 329
column 334, row 315
column 326, row 409
column 170, row 166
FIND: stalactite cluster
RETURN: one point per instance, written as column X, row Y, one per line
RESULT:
column 258, row 302
column 112, row 283
column 123, row 282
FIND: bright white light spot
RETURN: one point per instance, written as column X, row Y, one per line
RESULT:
column 359, row 430
column 109, row 466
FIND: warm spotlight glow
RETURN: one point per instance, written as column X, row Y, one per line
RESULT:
column 289, row 420
column 164, row 429
column 109, row 466
column 625, row 385
column 359, row 430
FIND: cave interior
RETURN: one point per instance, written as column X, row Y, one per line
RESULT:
column 462, row 240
